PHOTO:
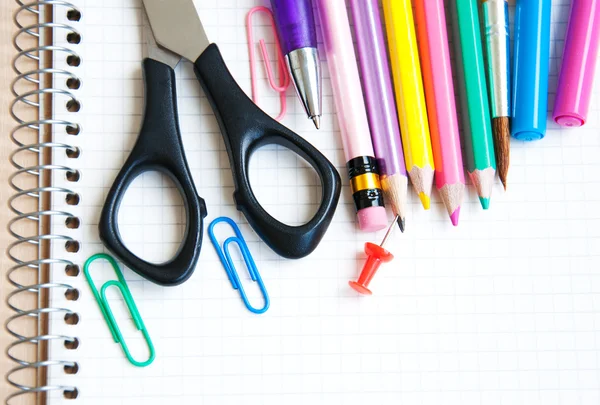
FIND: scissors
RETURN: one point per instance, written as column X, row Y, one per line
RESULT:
column 175, row 31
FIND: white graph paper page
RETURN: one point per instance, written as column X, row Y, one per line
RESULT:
column 503, row 309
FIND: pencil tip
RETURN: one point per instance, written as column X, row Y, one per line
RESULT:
column 455, row 215
column 317, row 121
column 401, row 224
column 483, row 180
column 425, row 200
column 452, row 196
column 485, row 202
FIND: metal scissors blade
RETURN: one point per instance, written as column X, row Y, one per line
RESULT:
column 177, row 26
column 154, row 50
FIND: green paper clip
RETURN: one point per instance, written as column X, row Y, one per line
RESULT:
column 108, row 314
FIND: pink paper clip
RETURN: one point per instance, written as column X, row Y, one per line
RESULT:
column 284, row 77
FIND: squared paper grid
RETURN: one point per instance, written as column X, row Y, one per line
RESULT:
column 501, row 310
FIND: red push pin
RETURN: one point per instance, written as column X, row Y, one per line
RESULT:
column 376, row 255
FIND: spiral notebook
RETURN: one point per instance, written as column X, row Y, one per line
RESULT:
column 503, row 309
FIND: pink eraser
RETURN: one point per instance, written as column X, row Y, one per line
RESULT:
column 372, row 219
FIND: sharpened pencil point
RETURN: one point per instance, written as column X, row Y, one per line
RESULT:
column 425, row 200
column 483, row 180
column 401, row 224
column 317, row 120
column 454, row 216
column 485, row 202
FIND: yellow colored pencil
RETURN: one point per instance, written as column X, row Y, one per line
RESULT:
column 410, row 96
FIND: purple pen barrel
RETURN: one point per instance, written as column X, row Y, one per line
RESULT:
column 295, row 24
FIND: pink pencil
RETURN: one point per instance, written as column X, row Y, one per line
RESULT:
column 578, row 64
column 441, row 109
column 352, row 115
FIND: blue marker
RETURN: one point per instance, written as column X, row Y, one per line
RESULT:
column 531, row 60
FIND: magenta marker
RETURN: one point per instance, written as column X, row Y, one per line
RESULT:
column 578, row 65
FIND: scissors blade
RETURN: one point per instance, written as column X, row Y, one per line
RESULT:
column 155, row 51
column 176, row 26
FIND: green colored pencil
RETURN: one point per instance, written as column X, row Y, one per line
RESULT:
column 472, row 87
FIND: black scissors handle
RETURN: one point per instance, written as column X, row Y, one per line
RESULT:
column 158, row 148
column 245, row 128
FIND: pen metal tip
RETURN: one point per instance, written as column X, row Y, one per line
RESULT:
column 317, row 120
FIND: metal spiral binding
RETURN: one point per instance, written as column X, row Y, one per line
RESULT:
column 29, row 89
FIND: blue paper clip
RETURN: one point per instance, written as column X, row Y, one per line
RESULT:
column 227, row 262
column 107, row 312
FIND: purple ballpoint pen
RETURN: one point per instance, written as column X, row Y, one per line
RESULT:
column 381, row 105
column 296, row 28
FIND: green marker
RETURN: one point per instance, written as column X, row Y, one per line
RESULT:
column 474, row 102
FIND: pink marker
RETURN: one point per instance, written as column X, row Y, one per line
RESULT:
column 352, row 115
column 578, row 64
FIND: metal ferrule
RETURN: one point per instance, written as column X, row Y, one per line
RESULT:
column 364, row 182
column 495, row 14
column 305, row 69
